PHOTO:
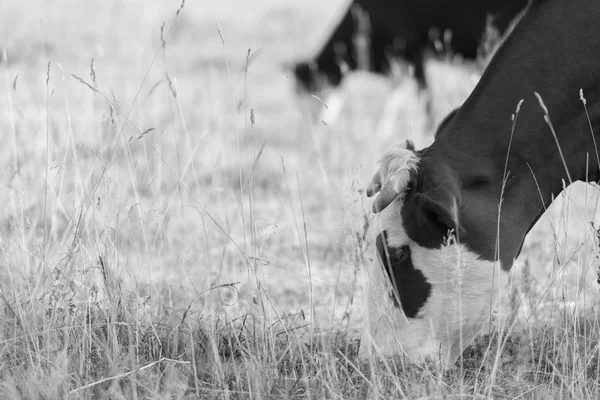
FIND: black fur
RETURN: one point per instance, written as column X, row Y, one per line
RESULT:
column 432, row 208
column 412, row 288
column 446, row 122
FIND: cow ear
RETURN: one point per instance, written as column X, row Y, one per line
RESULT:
column 397, row 168
column 431, row 214
column 443, row 209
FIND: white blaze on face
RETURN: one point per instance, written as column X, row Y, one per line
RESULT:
column 464, row 292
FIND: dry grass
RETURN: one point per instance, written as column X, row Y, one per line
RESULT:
column 175, row 222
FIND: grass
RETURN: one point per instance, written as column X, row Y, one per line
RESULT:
column 176, row 223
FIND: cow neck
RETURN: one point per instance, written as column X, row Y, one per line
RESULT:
column 554, row 51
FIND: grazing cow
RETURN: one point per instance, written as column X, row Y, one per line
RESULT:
column 401, row 28
column 455, row 214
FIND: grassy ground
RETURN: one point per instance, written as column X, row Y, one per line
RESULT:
column 176, row 222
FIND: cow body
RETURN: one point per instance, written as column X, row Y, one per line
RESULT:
column 486, row 180
column 401, row 28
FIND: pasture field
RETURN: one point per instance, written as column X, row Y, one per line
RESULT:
column 175, row 222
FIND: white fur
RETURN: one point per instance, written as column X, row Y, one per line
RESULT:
column 464, row 292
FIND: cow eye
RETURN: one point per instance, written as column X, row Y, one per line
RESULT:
column 399, row 254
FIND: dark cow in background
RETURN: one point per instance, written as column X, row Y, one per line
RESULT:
column 455, row 214
column 401, row 28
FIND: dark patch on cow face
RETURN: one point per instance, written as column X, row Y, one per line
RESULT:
column 412, row 287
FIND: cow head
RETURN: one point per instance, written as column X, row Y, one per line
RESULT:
column 429, row 295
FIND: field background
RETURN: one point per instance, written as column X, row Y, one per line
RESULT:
column 182, row 175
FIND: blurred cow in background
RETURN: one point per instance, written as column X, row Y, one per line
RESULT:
column 371, row 33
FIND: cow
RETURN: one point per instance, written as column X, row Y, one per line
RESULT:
column 401, row 28
column 453, row 216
